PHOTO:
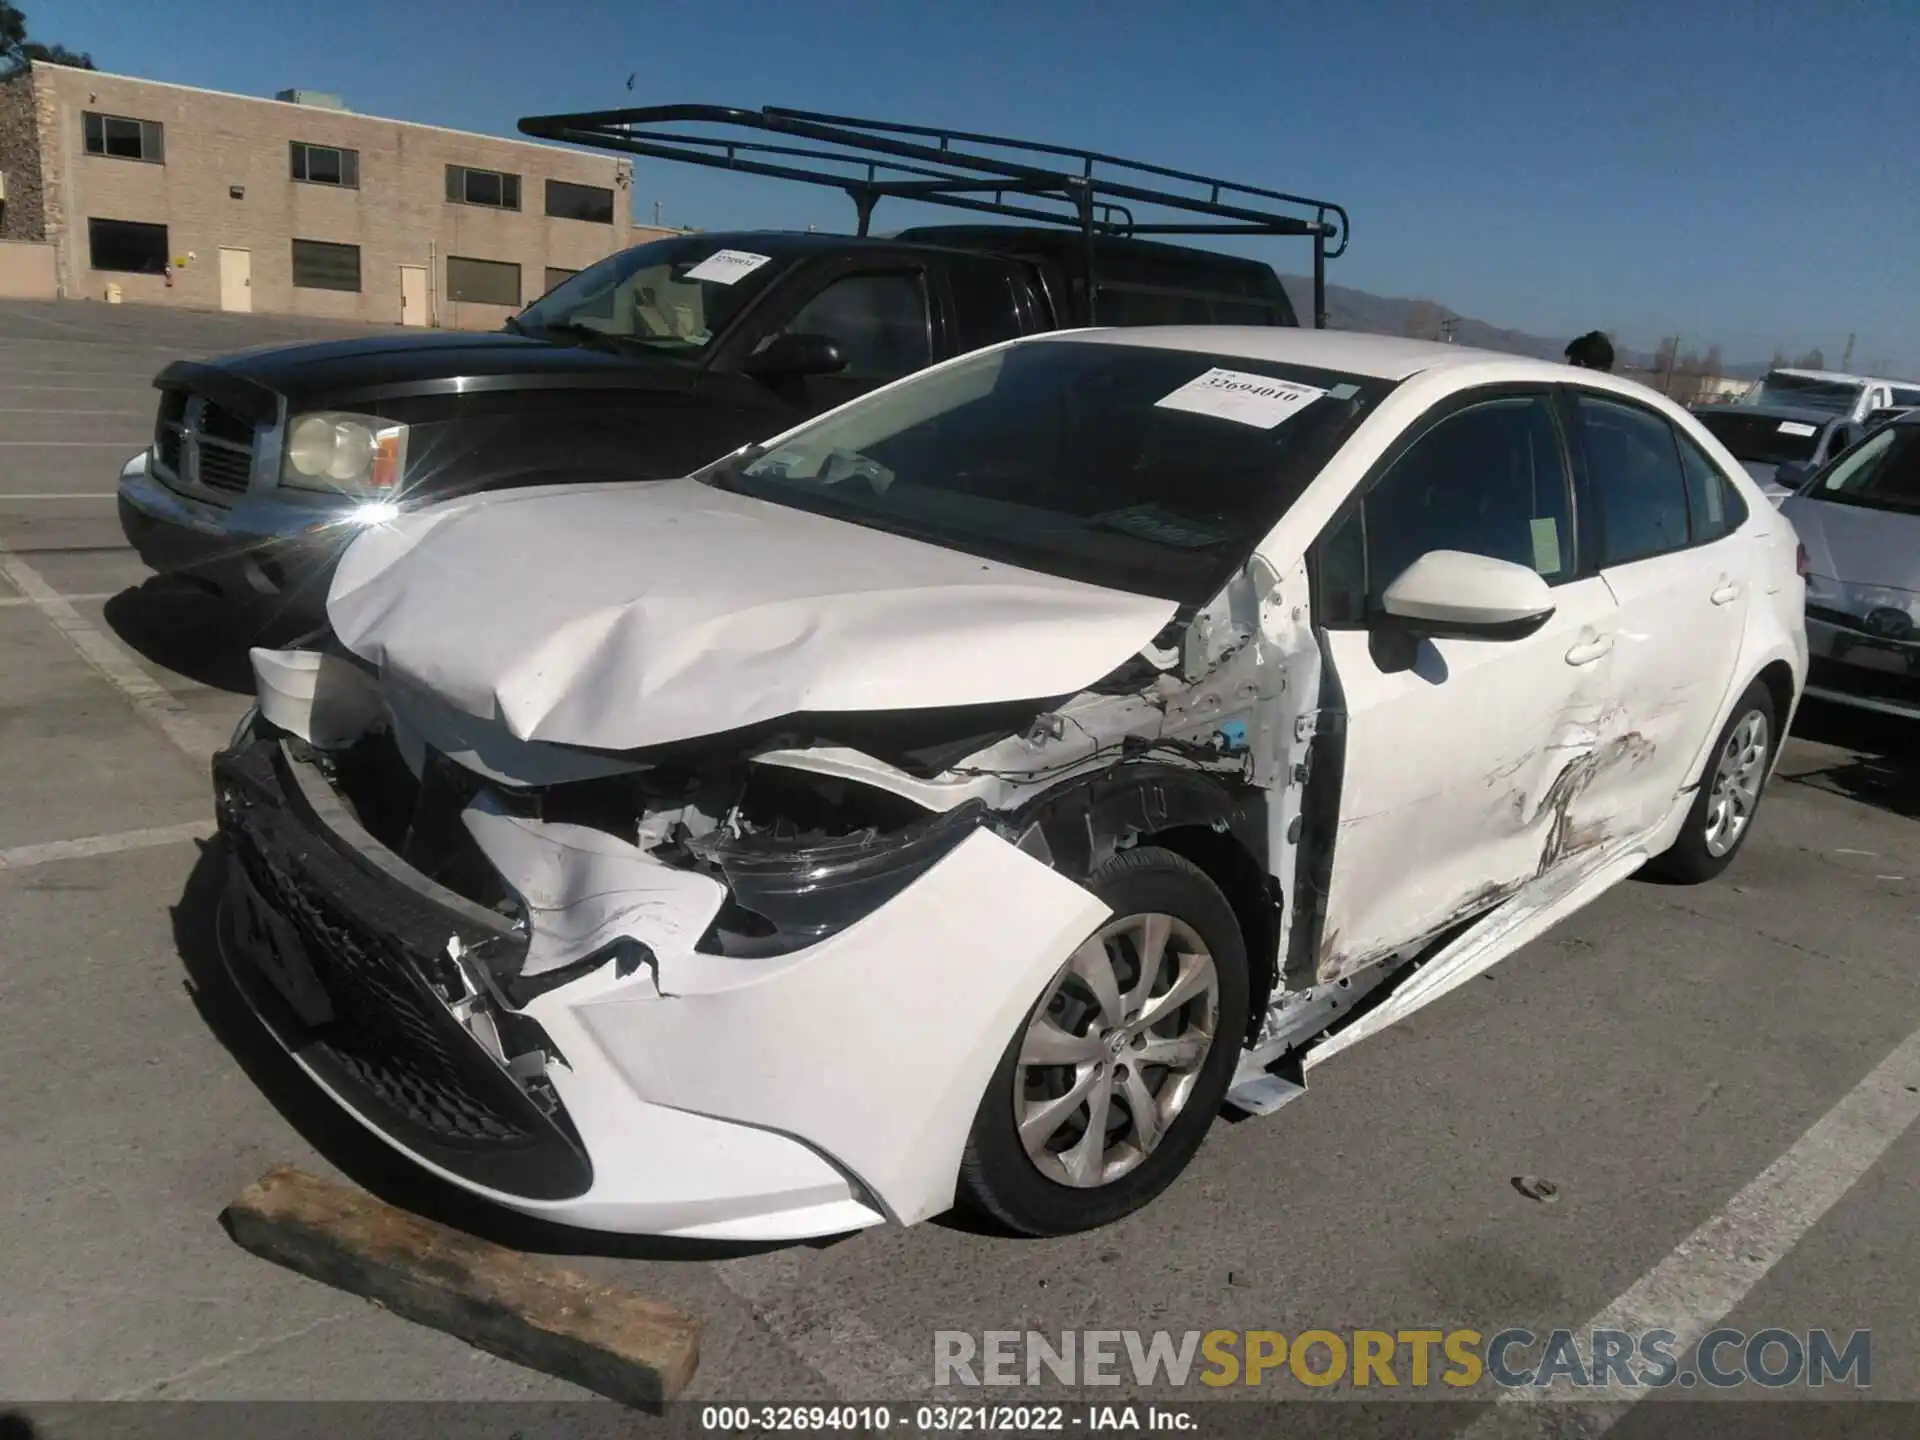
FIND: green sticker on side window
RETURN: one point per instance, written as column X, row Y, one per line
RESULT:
column 1546, row 546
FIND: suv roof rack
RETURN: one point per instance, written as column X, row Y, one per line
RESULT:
column 1092, row 192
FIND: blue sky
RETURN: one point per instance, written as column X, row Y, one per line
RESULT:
column 1745, row 174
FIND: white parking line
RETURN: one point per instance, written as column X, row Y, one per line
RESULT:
column 21, row 856
column 842, row 1348
column 1719, row 1264
column 10, row 602
column 113, row 663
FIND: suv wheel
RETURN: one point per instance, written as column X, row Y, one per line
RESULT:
column 1120, row 1066
column 1729, row 796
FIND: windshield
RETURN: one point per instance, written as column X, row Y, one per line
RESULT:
column 1143, row 469
column 1880, row 473
column 671, row 297
column 1762, row 439
column 1835, row 397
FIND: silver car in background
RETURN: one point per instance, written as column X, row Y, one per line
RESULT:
column 1859, row 520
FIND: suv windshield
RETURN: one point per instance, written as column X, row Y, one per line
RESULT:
column 671, row 297
column 1763, row 439
column 1835, row 397
column 1880, row 473
column 1138, row 468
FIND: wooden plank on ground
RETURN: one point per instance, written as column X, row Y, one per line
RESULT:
column 523, row 1308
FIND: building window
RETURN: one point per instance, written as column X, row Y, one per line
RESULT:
column 483, row 187
column 557, row 277
column 483, row 282
column 125, row 139
column 326, row 165
column 132, row 246
column 567, row 201
column 323, row 265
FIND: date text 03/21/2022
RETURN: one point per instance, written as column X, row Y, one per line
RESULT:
column 944, row 1419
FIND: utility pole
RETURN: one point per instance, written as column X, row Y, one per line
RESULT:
column 656, row 214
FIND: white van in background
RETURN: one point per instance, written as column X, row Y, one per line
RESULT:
column 1851, row 397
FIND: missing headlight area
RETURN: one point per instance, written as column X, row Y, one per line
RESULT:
column 804, row 855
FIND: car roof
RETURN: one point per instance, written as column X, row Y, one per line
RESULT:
column 785, row 243
column 1383, row 357
column 1774, row 412
column 1059, row 243
column 1838, row 377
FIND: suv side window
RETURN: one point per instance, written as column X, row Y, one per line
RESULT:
column 986, row 309
column 1490, row 480
column 878, row 320
column 1715, row 506
column 1638, row 495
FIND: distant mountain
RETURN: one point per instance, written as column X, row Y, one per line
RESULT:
column 1349, row 309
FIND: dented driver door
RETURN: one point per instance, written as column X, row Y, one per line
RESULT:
column 1464, row 762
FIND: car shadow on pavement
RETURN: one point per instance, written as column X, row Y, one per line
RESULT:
column 1883, row 766
column 194, row 633
column 343, row 1142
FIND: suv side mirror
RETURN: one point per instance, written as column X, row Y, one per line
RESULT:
column 1449, row 593
column 790, row 357
column 1792, row 474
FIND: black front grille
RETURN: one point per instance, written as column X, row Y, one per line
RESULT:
column 219, row 423
column 391, row 1048
column 199, row 442
column 224, row 469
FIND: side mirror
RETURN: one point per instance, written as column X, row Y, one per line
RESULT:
column 1792, row 474
column 790, row 357
column 1449, row 593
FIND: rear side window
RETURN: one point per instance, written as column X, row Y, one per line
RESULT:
column 985, row 308
column 1489, row 480
column 1637, row 492
column 1120, row 306
column 1714, row 505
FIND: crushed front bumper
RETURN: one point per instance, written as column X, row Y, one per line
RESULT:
column 808, row 1094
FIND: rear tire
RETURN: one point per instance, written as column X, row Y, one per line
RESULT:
column 1142, row 1024
column 1722, row 814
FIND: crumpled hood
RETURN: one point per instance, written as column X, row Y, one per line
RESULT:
column 1859, row 545
column 623, row 616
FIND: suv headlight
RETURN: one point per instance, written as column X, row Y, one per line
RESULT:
column 359, row 455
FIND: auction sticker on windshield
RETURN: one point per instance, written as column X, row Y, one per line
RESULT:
column 727, row 267
column 1257, row 400
column 1794, row 427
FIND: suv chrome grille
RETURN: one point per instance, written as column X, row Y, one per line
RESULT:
column 200, row 443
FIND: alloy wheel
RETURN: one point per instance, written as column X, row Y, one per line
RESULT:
column 1114, row 1050
column 1736, row 783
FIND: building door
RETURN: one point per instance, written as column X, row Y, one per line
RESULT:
column 413, row 294
column 236, row 279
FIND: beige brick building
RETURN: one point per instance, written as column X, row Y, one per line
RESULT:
column 166, row 194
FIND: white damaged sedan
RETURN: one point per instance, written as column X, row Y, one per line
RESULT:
column 963, row 796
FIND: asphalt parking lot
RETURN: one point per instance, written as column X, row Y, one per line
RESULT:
column 1652, row 1058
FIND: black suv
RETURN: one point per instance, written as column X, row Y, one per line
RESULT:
column 645, row 366
column 657, row 360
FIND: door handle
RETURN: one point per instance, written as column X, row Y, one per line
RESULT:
column 1728, row 592
column 1589, row 648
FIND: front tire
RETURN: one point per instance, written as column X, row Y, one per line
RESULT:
column 1721, row 817
column 1110, row 1084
